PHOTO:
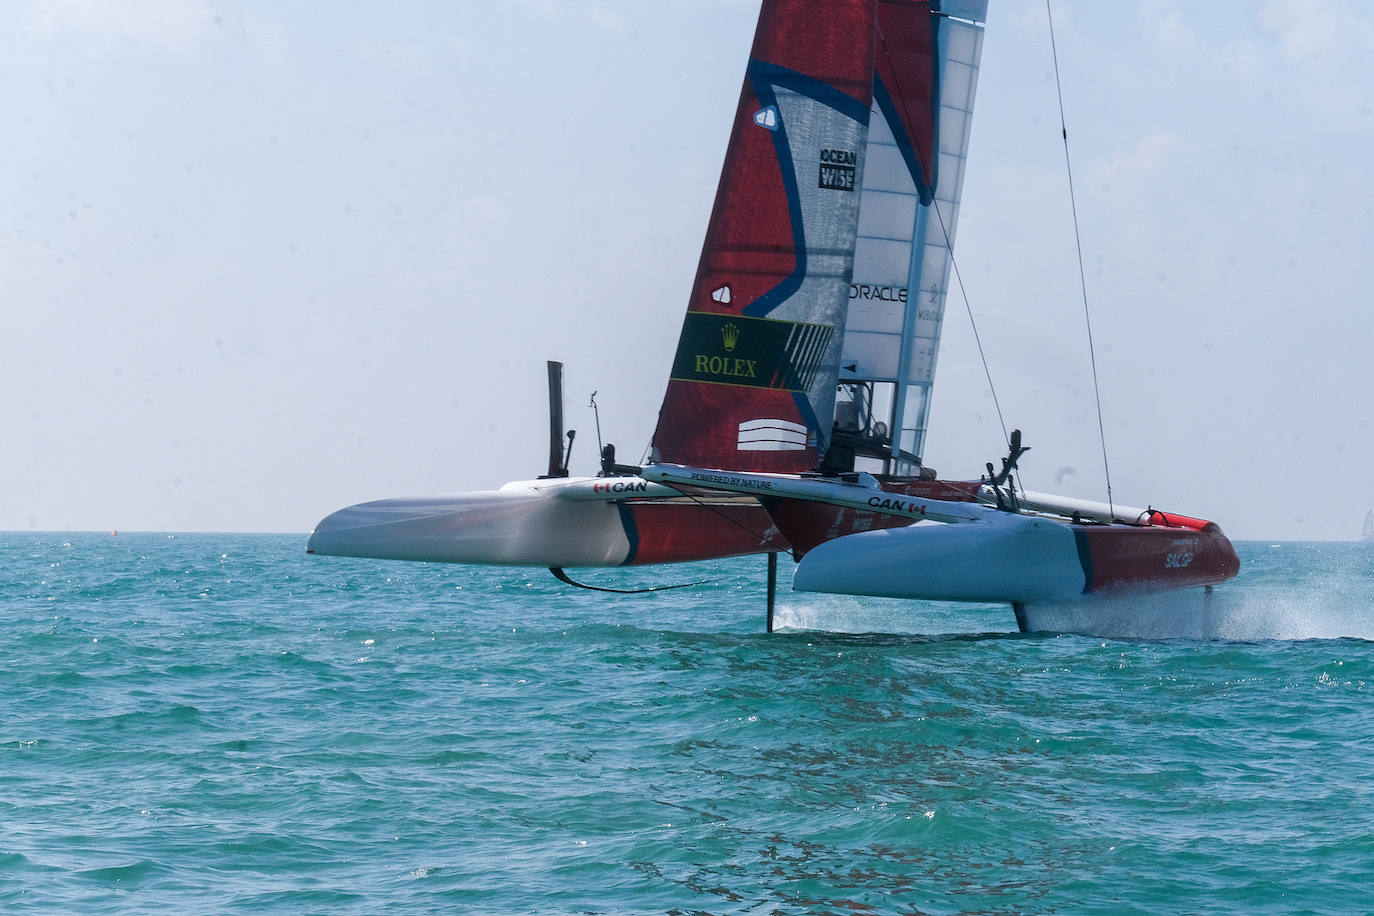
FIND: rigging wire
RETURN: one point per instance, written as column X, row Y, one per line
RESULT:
column 959, row 278
column 766, row 536
column 963, row 293
column 1082, row 276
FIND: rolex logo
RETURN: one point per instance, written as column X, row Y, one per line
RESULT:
column 730, row 335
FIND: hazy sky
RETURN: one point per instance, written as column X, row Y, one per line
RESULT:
column 263, row 260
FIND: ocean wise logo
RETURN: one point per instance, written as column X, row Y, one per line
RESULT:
column 838, row 169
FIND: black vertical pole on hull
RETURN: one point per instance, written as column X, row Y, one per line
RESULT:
column 772, row 586
column 556, row 466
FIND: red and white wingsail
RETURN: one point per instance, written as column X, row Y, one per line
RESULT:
column 925, row 73
column 828, row 251
column 753, row 383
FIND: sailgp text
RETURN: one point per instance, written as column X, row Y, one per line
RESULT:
column 1182, row 555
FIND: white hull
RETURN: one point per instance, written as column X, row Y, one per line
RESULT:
column 514, row 526
column 1013, row 558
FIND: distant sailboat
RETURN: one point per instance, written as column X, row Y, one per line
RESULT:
column 1368, row 533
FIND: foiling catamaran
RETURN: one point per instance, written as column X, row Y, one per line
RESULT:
column 796, row 406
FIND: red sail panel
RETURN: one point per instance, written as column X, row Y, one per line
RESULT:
column 906, row 70
column 752, row 384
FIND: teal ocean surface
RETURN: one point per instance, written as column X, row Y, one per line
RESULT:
column 220, row 723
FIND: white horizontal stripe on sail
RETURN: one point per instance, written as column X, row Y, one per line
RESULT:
column 771, row 435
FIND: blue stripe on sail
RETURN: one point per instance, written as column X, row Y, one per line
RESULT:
column 810, row 87
column 770, row 300
column 763, row 77
column 973, row 10
column 904, row 142
column 813, row 423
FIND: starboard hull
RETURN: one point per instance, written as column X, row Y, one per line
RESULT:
column 1050, row 570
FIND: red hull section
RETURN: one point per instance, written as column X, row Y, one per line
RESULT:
column 905, row 77
column 1120, row 557
column 682, row 532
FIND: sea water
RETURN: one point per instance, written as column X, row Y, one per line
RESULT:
column 221, row 723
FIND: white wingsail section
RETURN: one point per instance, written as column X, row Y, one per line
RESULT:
column 908, row 211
